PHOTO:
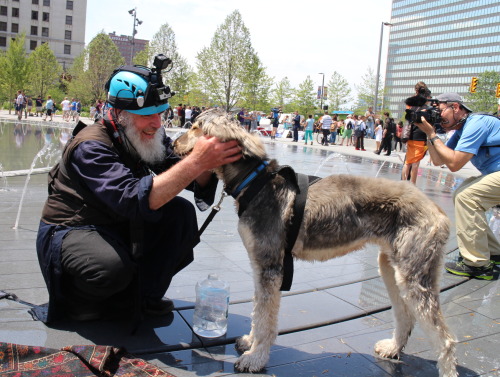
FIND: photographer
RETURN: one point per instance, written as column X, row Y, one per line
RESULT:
column 476, row 139
column 275, row 117
column 113, row 231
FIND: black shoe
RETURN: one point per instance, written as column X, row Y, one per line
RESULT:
column 157, row 307
column 377, row 152
column 386, row 154
column 495, row 259
column 460, row 268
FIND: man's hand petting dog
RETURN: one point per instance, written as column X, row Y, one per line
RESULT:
column 212, row 153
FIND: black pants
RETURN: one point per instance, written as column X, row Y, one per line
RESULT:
column 326, row 133
column 360, row 141
column 97, row 263
column 397, row 140
column 386, row 144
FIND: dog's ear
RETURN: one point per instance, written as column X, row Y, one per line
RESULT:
column 185, row 143
column 252, row 146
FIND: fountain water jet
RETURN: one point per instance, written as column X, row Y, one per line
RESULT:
column 45, row 149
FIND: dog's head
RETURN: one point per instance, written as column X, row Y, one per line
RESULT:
column 224, row 127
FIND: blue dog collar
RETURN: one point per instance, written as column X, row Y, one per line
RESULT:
column 249, row 179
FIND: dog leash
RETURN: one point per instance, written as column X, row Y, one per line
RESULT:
column 215, row 210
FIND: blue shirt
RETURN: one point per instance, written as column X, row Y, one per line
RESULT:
column 309, row 124
column 479, row 132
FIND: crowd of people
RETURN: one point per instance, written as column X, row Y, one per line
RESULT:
column 46, row 108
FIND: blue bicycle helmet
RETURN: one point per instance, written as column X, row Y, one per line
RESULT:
column 138, row 89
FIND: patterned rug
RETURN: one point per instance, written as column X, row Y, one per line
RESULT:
column 78, row 361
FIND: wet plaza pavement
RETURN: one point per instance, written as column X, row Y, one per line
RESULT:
column 328, row 323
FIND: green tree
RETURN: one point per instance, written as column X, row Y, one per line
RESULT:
column 92, row 68
column 366, row 92
column 142, row 57
column 14, row 68
column 256, row 85
column 282, row 95
column 484, row 99
column 222, row 67
column 181, row 80
column 179, row 75
column 339, row 91
column 44, row 70
column 304, row 98
column 198, row 94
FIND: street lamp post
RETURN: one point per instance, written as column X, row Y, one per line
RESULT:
column 322, row 94
column 377, row 78
column 137, row 22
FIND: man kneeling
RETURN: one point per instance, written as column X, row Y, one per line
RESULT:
column 113, row 232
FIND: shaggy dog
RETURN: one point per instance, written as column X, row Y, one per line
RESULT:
column 409, row 228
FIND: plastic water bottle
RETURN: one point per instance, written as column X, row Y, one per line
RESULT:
column 212, row 306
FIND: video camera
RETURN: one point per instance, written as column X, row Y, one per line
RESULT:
column 419, row 109
column 163, row 93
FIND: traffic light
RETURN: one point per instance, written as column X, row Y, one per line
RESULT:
column 498, row 91
column 473, row 85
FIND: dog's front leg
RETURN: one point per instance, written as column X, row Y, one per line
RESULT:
column 264, row 322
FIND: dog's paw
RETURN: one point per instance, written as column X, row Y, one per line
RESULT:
column 244, row 343
column 251, row 362
column 387, row 348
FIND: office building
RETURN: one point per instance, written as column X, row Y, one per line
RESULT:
column 60, row 23
column 443, row 43
column 124, row 44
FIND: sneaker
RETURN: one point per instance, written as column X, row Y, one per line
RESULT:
column 460, row 268
column 157, row 307
column 363, row 150
column 495, row 259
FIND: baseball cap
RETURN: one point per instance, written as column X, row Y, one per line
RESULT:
column 453, row 97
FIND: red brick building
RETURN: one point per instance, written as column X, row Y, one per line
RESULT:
column 124, row 44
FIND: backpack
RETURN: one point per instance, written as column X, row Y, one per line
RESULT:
column 392, row 127
column 349, row 125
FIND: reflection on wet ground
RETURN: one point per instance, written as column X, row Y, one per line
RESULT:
column 328, row 322
column 20, row 143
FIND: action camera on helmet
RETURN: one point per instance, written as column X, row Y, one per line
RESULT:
column 138, row 89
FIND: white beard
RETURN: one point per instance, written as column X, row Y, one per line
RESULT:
column 150, row 151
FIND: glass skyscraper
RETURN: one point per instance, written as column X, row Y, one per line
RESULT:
column 443, row 43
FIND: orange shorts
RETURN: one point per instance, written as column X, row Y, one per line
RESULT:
column 415, row 151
